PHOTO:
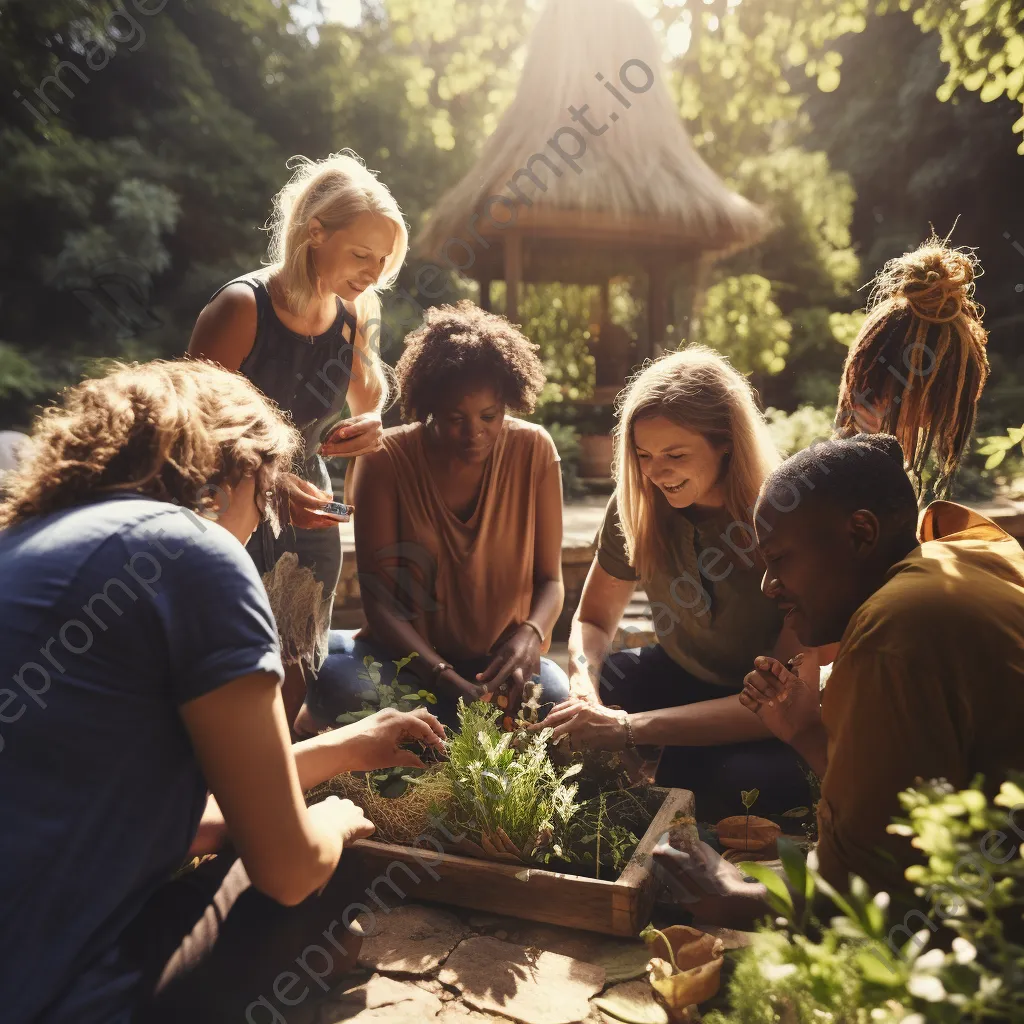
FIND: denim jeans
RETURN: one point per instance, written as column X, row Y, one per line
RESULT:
column 648, row 679
column 342, row 679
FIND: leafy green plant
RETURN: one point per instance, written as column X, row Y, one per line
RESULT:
column 496, row 786
column 998, row 447
column 380, row 695
column 794, row 431
column 567, row 444
column 851, row 971
column 748, row 798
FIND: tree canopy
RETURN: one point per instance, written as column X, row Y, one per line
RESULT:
column 140, row 147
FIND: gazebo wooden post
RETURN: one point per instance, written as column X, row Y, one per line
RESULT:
column 485, row 294
column 657, row 307
column 513, row 275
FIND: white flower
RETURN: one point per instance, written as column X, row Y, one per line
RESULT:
column 963, row 951
column 933, row 960
column 776, row 972
column 926, row 987
column 988, row 987
column 881, row 900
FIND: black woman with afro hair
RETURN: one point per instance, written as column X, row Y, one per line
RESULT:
column 459, row 529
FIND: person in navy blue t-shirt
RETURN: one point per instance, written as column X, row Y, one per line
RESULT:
column 139, row 669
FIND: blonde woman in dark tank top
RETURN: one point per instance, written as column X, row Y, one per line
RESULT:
column 459, row 527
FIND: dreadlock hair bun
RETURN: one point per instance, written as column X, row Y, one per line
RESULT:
column 919, row 362
column 935, row 282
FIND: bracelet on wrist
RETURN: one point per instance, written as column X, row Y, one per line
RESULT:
column 630, row 740
column 437, row 671
column 533, row 625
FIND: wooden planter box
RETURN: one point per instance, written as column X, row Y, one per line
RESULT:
column 622, row 907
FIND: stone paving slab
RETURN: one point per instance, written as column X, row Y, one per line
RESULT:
column 519, row 971
column 411, row 939
column 381, row 1000
column 529, row 986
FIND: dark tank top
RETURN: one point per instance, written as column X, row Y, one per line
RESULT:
column 307, row 377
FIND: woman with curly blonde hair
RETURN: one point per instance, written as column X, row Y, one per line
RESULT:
column 918, row 365
column 306, row 332
column 691, row 452
column 143, row 670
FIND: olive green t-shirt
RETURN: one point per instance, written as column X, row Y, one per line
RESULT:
column 709, row 613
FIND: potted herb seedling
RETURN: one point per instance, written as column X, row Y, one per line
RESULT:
column 746, row 833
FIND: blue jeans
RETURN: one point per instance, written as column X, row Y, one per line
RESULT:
column 342, row 678
column 648, row 679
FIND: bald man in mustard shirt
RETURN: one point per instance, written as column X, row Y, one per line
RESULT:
column 928, row 680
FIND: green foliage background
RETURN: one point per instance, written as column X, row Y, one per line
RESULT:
column 857, row 127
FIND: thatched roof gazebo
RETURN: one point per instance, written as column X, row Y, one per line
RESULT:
column 590, row 174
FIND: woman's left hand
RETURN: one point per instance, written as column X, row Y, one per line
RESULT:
column 359, row 435
column 377, row 741
column 515, row 661
column 589, row 726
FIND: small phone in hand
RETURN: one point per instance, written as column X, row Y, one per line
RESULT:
column 336, row 510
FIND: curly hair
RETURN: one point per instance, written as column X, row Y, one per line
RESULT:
column 460, row 346
column 170, row 430
column 921, row 354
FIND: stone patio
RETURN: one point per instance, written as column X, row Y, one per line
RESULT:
column 453, row 966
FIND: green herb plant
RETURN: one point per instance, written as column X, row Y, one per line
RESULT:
column 498, row 787
column 377, row 696
column 965, row 963
column 749, row 798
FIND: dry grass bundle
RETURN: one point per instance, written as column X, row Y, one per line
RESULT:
column 643, row 164
column 401, row 819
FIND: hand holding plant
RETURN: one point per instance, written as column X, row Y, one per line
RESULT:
column 589, row 726
column 378, row 741
column 515, row 661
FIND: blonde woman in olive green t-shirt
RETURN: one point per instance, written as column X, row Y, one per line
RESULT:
column 691, row 452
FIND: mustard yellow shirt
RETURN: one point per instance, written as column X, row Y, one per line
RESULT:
column 928, row 683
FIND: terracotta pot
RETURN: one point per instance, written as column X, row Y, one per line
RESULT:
column 595, row 456
column 748, row 834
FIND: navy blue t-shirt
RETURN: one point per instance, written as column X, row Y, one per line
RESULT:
column 112, row 614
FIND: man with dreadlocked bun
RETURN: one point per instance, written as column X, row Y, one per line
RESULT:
column 918, row 366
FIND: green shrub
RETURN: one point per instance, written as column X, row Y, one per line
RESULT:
column 852, row 972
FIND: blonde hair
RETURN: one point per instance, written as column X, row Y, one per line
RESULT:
column 170, row 430
column 335, row 191
column 698, row 389
column 921, row 354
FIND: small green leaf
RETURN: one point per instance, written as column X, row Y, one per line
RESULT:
column 877, row 965
column 797, row 812
column 795, row 866
column 995, row 459
column 749, row 797
column 778, row 897
column 368, row 695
